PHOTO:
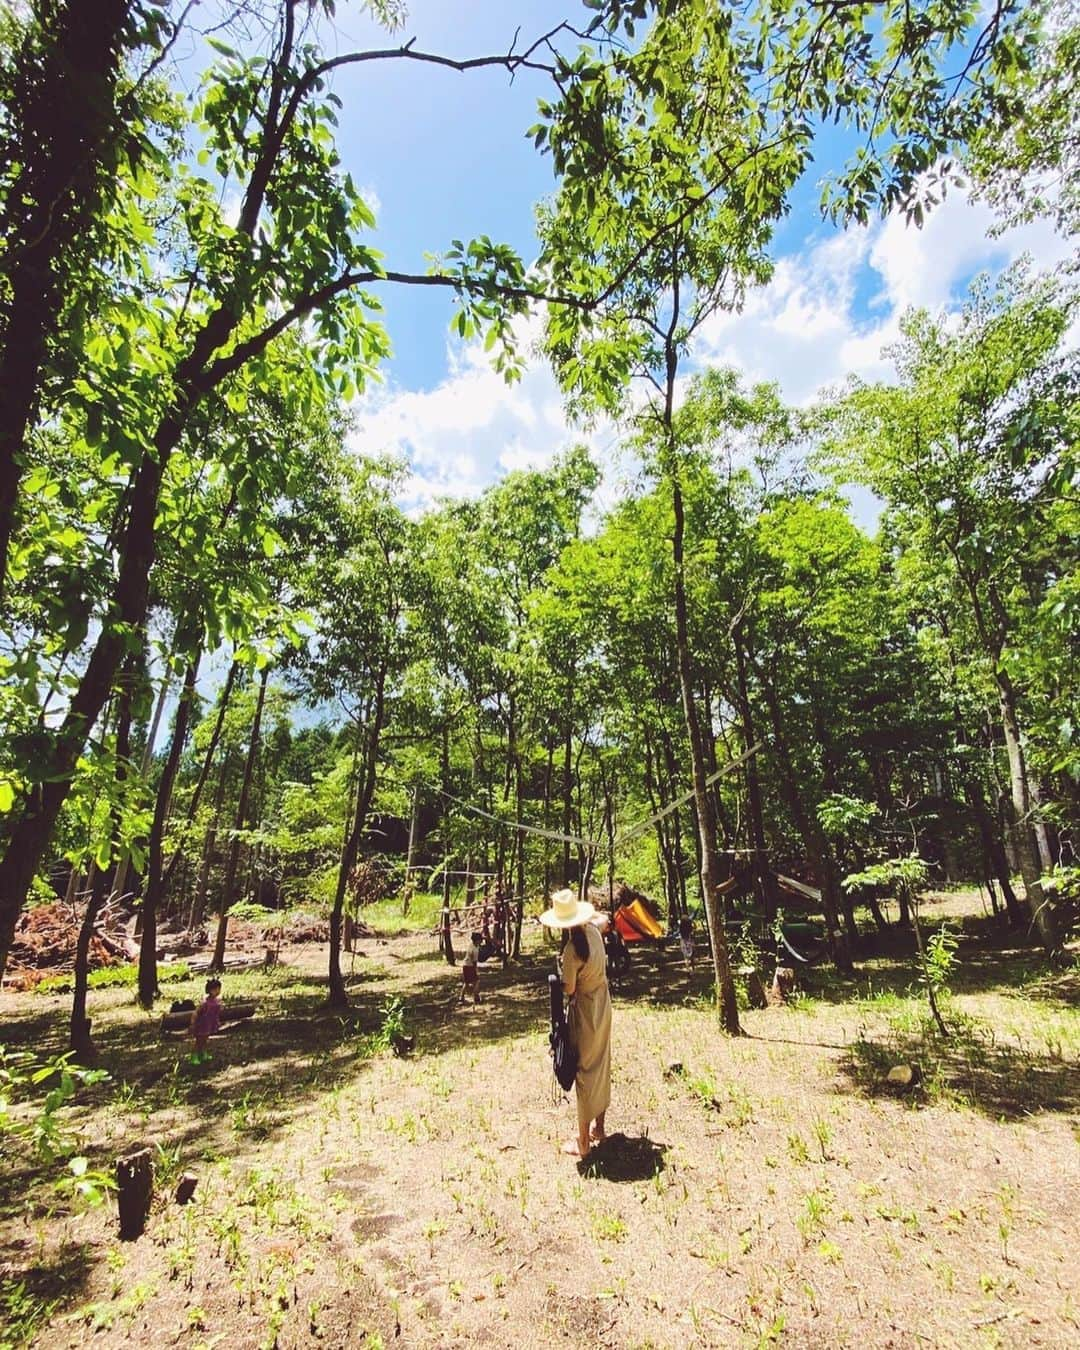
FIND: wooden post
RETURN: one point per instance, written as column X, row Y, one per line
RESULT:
column 134, row 1191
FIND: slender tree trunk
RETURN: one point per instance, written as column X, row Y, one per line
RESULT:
column 406, row 894
column 337, row 996
column 519, row 857
column 208, row 760
column 993, row 851
column 760, row 866
column 671, row 765
column 80, row 1041
column 567, row 800
column 124, row 865
column 813, row 836
column 233, row 863
column 725, row 985
column 152, row 892
column 1042, row 911
column 447, row 936
column 198, row 904
column 548, row 775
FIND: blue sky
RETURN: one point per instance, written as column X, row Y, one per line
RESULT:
column 444, row 155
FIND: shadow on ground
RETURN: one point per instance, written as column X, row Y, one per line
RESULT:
column 1001, row 1081
column 34, row 1287
column 624, row 1158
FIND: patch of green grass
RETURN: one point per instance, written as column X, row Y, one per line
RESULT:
column 22, row 1315
column 111, row 977
column 385, row 916
column 609, row 1228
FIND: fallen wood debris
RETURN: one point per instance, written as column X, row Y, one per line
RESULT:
column 230, row 1012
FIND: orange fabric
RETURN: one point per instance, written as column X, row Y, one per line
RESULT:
column 635, row 922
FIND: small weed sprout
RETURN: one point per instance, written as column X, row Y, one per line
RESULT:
column 823, row 1134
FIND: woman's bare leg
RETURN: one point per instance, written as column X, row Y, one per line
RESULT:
column 598, row 1134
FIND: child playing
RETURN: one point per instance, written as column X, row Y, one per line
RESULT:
column 205, row 1021
column 686, row 940
column 470, row 970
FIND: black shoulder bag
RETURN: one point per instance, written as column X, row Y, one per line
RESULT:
column 564, row 1059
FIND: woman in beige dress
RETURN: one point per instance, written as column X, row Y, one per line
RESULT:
column 583, row 966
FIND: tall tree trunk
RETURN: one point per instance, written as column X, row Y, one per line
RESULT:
column 813, row 836
column 198, row 904
column 406, row 894
column 760, row 867
column 1042, row 911
column 725, row 985
column 80, row 1040
column 548, row 775
column 567, row 800
column 61, row 117
column 337, row 996
column 194, row 376
column 519, row 859
column 655, row 793
column 232, row 865
column 993, row 851
column 124, row 865
column 152, row 891
column 447, row 939
column 208, row 759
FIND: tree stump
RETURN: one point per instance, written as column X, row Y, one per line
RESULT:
column 134, row 1191
column 755, row 986
column 783, row 985
column 185, row 1188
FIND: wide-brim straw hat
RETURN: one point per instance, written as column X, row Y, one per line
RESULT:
column 567, row 911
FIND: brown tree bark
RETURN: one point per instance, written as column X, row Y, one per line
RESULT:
column 198, row 903
column 759, row 860
column 152, row 890
column 233, row 863
column 813, row 836
column 1030, row 869
column 80, row 1040
column 61, row 119
column 725, row 984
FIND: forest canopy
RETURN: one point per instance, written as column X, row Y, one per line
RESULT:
column 236, row 669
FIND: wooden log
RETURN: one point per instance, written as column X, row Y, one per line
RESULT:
column 134, row 1191
column 230, row 1012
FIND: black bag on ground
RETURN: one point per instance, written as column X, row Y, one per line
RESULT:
column 563, row 1055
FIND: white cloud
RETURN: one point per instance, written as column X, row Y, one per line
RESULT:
column 833, row 306
column 470, row 429
column 827, row 313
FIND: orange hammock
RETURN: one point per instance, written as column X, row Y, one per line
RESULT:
column 634, row 922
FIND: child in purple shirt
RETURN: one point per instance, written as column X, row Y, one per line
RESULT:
column 205, row 1021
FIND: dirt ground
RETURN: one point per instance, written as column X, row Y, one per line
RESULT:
column 765, row 1189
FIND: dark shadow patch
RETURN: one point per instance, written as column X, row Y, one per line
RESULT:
column 1001, row 1081
column 624, row 1158
column 34, row 1289
column 368, row 1227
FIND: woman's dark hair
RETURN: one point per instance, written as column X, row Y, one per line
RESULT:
column 580, row 941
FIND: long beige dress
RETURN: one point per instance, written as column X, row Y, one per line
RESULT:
column 590, row 1024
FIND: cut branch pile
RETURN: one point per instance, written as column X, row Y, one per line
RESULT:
column 45, row 941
